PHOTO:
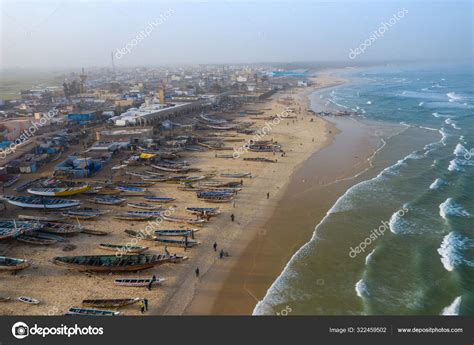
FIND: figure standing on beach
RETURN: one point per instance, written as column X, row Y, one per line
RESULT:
column 215, row 246
column 197, row 272
column 142, row 306
column 268, row 195
column 145, row 301
column 150, row 284
column 232, row 217
column 221, row 254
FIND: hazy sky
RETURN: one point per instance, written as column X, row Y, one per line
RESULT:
column 76, row 33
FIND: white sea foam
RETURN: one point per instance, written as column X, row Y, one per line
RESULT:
column 458, row 164
column 397, row 223
column 453, row 308
column 435, row 114
column 451, row 250
column 369, row 257
column 453, row 97
column 361, row 289
column 421, row 104
column 453, row 124
column 451, row 208
column 437, row 183
column 460, row 150
column 369, row 102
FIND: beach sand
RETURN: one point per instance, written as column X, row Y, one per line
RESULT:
column 58, row 288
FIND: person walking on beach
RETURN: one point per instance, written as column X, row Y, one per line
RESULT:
column 215, row 246
column 142, row 306
column 268, row 195
column 221, row 254
column 233, row 203
column 145, row 301
column 150, row 284
column 232, row 217
column 197, row 272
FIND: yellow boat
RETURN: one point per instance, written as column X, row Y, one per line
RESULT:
column 59, row 191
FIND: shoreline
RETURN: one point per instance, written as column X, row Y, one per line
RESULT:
column 247, row 280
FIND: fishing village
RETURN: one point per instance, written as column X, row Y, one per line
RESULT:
column 128, row 193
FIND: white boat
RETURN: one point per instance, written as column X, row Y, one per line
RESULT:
column 41, row 203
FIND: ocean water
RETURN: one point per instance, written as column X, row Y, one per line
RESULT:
column 402, row 241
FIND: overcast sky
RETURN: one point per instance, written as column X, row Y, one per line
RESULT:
column 75, row 33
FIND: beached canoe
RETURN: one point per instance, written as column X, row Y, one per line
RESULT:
column 4, row 298
column 28, row 300
column 144, row 206
column 182, row 243
column 147, row 213
column 61, row 228
column 94, row 232
column 176, row 232
column 210, row 211
column 111, row 263
column 138, row 282
column 237, row 175
column 36, row 240
column 12, row 264
column 260, row 159
column 11, row 181
column 59, row 191
column 10, row 229
column 122, row 248
column 109, row 303
column 91, row 312
column 107, row 200
column 157, row 199
column 41, row 219
column 178, row 219
column 41, row 203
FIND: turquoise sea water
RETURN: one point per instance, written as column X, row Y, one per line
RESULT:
column 415, row 218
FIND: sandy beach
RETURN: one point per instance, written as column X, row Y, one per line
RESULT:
column 182, row 293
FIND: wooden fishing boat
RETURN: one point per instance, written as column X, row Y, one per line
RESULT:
column 138, row 282
column 36, row 240
column 46, row 235
column 11, row 181
column 4, row 298
column 260, row 159
column 210, row 211
column 108, row 200
column 10, row 229
column 26, row 185
column 216, row 121
column 176, row 232
column 137, row 184
column 122, row 248
column 112, row 263
column 133, row 217
column 28, row 300
column 12, row 264
column 237, row 175
column 59, row 191
column 178, row 219
column 131, row 190
column 144, row 206
column 41, row 203
column 95, row 232
column 80, row 214
column 175, row 169
column 146, row 213
column 109, row 303
column 182, row 243
column 108, row 191
column 91, row 312
column 61, row 228
column 220, row 184
column 158, row 199
column 140, row 234
column 41, row 219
